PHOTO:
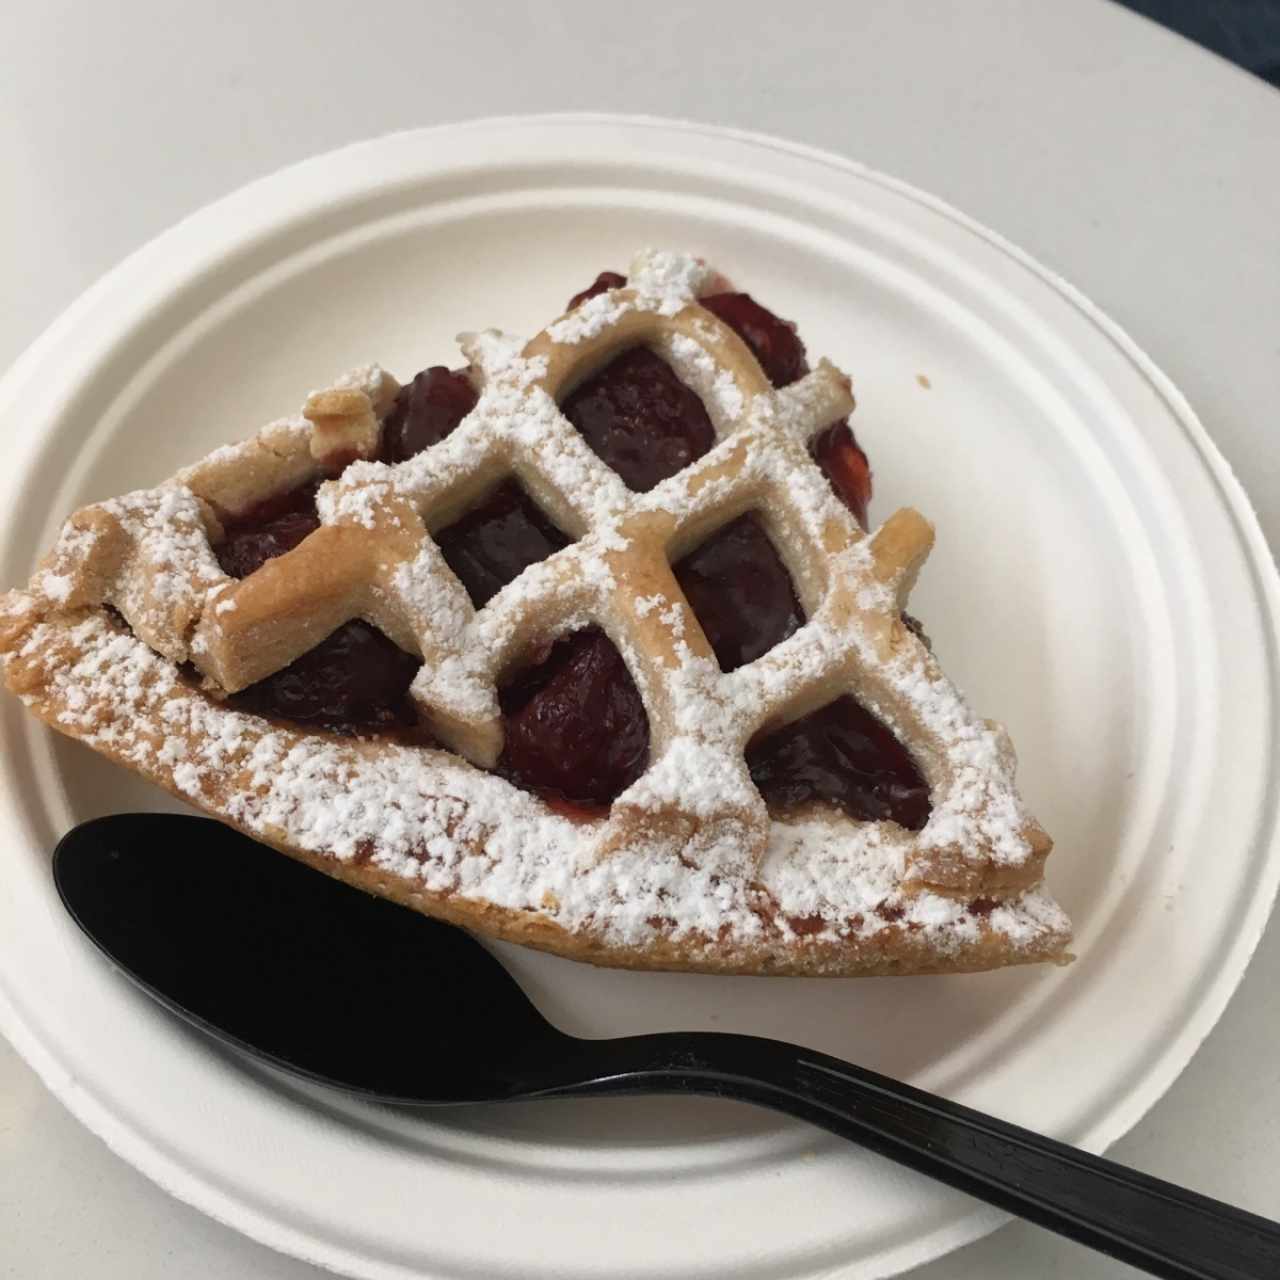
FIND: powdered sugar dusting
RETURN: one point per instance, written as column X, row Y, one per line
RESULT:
column 56, row 586
column 454, row 830
column 368, row 378
column 722, row 395
column 667, row 281
column 491, row 351
column 659, row 281
column 435, row 820
column 167, row 524
column 347, row 503
column 591, row 319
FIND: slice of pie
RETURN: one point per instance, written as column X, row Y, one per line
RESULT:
column 584, row 646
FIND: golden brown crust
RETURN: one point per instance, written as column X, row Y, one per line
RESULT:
column 150, row 556
column 136, row 731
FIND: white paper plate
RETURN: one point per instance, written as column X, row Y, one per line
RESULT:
column 1099, row 584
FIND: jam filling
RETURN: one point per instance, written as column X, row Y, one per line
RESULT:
column 575, row 728
column 355, row 680
column 640, row 419
column 267, row 530
column 605, row 281
column 741, row 592
column 774, row 342
column 846, row 467
column 497, row 541
column 426, row 410
column 843, row 755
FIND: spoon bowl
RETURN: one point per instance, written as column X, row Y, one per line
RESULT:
column 297, row 968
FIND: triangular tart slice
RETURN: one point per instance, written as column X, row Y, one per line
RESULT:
column 582, row 645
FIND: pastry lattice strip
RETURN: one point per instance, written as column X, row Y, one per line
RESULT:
column 374, row 558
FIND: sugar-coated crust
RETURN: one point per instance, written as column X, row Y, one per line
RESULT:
column 157, row 724
column 689, row 870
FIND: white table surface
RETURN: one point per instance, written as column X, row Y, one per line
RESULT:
column 1141, row 168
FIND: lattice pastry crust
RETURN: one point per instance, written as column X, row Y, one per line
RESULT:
column 688, row 870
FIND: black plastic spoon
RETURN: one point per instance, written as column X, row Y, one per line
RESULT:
column 360, row 994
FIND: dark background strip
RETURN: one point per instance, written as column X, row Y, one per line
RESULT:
column 1245, row 31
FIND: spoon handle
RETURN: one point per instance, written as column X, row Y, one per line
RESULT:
column 1161, row 1228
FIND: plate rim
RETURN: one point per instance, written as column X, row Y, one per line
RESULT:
column 177, row 1179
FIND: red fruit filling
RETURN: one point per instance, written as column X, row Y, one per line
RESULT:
column 846, row 467
column 575, row 727
column 773, row 342
column 353, row 681
column 640, row 419
column 426, row 410
column 843, row 755
column 267, row 530
column 740, row 591
column 497, row 541
column 605, row 281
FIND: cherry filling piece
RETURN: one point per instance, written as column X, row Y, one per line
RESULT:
column 773, row 342
column 843, row 755
column 353, row 681
column 575, row 726
column 495, row 542
column 846, row 467
column 605, row 281
column 426, row 410
column 741, row 592
column 267, row 530
column 640, row 419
